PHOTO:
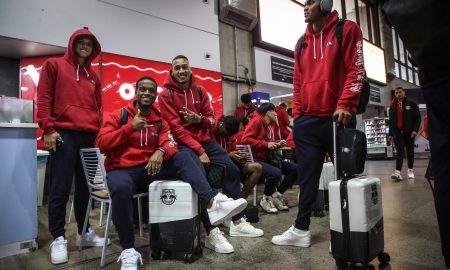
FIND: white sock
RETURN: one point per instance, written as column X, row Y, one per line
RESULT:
column 299, row 231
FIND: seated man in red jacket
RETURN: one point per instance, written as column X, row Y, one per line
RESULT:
column 142, row 150
column 224, row 134
column 246, row 109
column 283, row 120
column 263, row 136
column 186, row 106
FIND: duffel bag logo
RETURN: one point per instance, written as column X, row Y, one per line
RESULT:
column 168, row 196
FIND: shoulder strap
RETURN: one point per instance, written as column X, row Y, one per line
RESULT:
column 170, row 93
column 300, row 43
column 199, row 91
column 159, row 125
column 123, row 117
column 340, row 31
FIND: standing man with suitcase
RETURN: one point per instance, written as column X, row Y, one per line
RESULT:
column 328, row 78
column 404, row 123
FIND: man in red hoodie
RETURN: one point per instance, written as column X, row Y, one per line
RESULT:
column 283, row 120
column 263, row 136
column 69, row 101
column 224, row 134
column 246, row 109
column 328, row 78
column 187, row 108
column 142, row 150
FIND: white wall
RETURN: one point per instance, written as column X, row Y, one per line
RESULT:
column 150, row 29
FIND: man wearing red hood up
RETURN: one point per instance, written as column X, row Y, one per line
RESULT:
column 69, row 102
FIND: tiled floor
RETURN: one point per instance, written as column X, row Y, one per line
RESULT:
column 411, row 237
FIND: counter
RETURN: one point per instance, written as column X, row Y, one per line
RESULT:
column 18, row 188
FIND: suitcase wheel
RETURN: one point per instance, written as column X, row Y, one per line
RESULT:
column 156, row 255
column 384, row 258
column 341, row 264
column 188, row 258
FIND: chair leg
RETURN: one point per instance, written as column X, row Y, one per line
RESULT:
column 105, row 244
column 86, row 218
column 69, row 219
column 101, row 214
column 141, row 232
column 254, row 195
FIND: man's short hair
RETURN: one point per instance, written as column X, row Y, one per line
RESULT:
column 145, row 78
column 400, row 88
column 180, row 56
column 282, row 104
column 231, row 124
column 265, row 107
column 246, row 98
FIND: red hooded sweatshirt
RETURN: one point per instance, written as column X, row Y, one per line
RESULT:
column 187, row 133
column 69, row 96
column 227, row 142
column 242, row 112
column 255, row 134
column 283, row 121
column 329, row 77
column 126, row 147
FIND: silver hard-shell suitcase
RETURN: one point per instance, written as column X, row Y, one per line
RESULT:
column 356, row 216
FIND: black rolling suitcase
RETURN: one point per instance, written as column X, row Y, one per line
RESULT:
column 174, row 215
column 356, row 213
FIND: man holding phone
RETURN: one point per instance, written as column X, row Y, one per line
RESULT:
column 263, row 136
column 223, row 134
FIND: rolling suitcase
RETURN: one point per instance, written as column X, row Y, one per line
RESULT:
column 356, row 213
column 174, row 215
column 322, row 201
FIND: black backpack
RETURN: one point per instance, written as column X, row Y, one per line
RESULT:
column 364, row 96
column 124, row 119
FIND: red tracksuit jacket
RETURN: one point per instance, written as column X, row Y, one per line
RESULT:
column 69, row 96
column 189, row 134
column 329, row 77
column 126, row 147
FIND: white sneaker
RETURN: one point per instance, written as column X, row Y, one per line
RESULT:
column 245, row 229
column 58, row 250
column 292, row 238
column 410, row 174
column 91, row 239
column 278, row 201
column 224, row 208
column 217, row 242
column 267, row 204
column 129, row 259
column 396, row 176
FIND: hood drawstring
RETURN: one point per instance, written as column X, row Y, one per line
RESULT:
column 192, row 95
column 314, row 45
column 87, row 74
column 278, row 125
column 78, row 76
column 321, row 47
column 146, row 137
column 185, row 99
column 271, row 133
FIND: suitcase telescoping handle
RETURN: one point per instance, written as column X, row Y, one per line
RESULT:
column 335, row 134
